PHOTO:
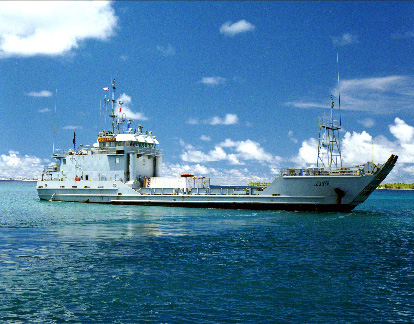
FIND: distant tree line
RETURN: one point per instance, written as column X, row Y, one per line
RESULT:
column 397, row 186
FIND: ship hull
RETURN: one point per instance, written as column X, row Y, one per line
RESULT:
column 259, row 202
column 310, row 193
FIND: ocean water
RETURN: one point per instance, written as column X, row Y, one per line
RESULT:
column 84, row 263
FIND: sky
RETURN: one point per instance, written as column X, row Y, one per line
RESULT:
column 232, row 90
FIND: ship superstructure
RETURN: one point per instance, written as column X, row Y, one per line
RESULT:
column 124, row 167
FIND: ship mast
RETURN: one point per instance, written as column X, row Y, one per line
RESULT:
column 329, row 144
column 112, row 115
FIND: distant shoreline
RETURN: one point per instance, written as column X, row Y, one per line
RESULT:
column 3, row 179
column 394, row 189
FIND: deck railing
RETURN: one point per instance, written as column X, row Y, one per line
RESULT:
column 293, row 172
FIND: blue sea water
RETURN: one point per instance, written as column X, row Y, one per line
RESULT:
column 82, row 263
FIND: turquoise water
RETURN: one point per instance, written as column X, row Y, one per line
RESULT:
column 81, row 263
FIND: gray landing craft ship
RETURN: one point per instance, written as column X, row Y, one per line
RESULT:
column 124, row 167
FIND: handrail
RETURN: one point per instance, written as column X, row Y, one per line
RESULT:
column 292, row 172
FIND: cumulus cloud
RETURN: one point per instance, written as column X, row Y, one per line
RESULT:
column 40, row 94
column 308, row 153
column 171, row 169
column 222, row 176
column 196, row 156
column 29, row 28
column 205, row 138
column 125, row 109
column 229, row 119
column 379, row 95
column 249, row 150
column 213, row 81
column 403, row 132
column 20, row 166
column 358, row 148
column 231, row 29
column 345, row 39
column 234, row 152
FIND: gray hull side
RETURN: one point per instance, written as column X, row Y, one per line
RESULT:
column 322, row 199
column 320, row 193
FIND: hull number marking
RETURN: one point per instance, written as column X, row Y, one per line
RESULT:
column 322, row 183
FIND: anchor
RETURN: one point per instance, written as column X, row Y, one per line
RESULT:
column 340, row 194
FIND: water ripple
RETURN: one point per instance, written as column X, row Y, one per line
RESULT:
column 95, row 263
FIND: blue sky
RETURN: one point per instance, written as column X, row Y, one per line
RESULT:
column 232, row 90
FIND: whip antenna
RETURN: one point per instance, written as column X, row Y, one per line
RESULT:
column 54, row 126
column 339, row 90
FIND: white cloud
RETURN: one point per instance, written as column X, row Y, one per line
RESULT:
column 192, row 121
column 379, row 95
column 196, row 156
column 306, row 105
column 17, row 166
column 383, row 84
column 40, row 94
column 126, row 111
column 44, row 110
column 29, row 28
column 234, row 152
column 345, row 39
column 367, row 122
column 249, row 150
column 242, row 26
column 166, row 50
column 308, row 153
column 218, row 176
column 71, row 127
column 292, row 137
column 403, row 132
column 359, row 148
column 229, row 119
column 178, row 169
column 213, row 81
column 205, row 138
